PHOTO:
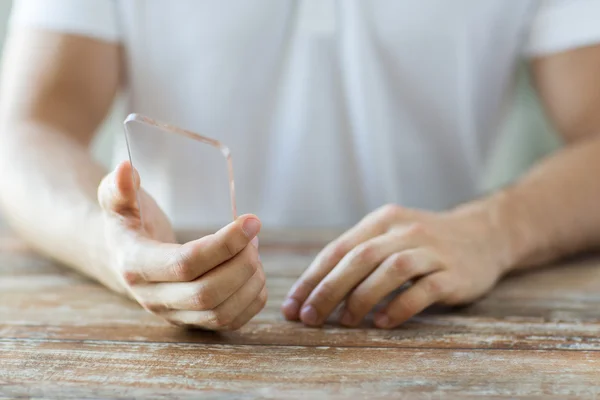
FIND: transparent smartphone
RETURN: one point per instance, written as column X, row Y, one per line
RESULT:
column 181, row 170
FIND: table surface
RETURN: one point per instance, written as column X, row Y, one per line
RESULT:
column 61, row 335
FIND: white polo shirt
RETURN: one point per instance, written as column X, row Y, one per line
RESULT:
column 330, row 108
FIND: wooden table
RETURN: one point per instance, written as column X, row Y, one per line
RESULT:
column 536, row 335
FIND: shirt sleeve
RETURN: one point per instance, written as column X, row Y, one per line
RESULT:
column 93, row 18
column 560, row 25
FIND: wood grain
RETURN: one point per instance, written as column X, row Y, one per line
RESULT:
column 274, row 371
column 61, row 335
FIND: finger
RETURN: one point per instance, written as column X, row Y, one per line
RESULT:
column 151, row 261
column 353, row 268
column 425, row 292
column 374, row 224
column 117, row 193
column 222, row 316
column 199, row 256
column 394, row 272
column 205, row 293
column 254, row 308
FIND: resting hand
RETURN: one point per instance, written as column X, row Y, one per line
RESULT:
column 447, row 259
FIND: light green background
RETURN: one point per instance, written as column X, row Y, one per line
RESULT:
column 526, row 136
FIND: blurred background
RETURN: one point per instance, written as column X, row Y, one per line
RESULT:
column 526, row 135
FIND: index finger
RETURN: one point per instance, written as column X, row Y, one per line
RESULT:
column 369, row 227
column 158, row 262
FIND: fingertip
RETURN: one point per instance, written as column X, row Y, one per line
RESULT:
column 251, row 225
column 126, row 177
column 117, row 191
column 382, row 321
column 243, row 218
column 291, row 309
column 309, row 315
column 123, row 164
column 123, row 169
column 347, row 318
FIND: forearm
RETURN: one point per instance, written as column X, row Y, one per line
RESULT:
column 48, row 185
column 553, row 211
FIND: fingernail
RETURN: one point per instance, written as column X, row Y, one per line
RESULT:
column 291, row 308
column 255, row 241
column 382, row 320
column 251, row 227
column 309, row 315
column 347, row 318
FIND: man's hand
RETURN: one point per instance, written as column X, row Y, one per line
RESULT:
column 216, row 282
column 447, row 258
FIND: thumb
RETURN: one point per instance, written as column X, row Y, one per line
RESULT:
column 117, row 192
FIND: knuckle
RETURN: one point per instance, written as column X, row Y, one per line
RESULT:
column 390, row 211
column 219, row 320
column 228, row 248
column 401, row 264
column 417, row 229
column 365, row 254
column 333, row 253
column 250, row 268
column 338, row 251
column 262, row 299
column 203, row 299
column 210, row 245
column 182, row 267
column 263, row 296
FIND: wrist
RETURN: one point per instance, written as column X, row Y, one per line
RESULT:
column 497, row 227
